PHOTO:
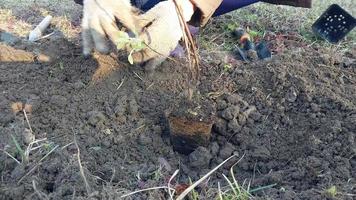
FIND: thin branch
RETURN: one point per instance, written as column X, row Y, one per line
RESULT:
column 28, row 122
column 190, row 45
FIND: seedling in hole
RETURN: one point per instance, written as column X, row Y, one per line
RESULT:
column 125, row 41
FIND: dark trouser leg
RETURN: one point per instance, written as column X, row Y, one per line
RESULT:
column 231, row 5
column 225, row 7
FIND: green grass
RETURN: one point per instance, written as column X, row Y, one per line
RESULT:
column 237, row 191
column 19, row 150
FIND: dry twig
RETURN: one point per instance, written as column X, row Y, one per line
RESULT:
column 87, row 187
column 192, row 52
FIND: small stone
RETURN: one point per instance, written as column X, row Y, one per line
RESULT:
column 133, row 107
column 234, row 126
column 121, row 119
column 252, row 55
column 18, row 172
column 292, row 95
column 242, row 119
column 6, row 117
column 143, row 139
column 214, row 148
column 233, row 99
column 106, row 142
column 315, row 107
column 8, row 38
column 221, row 104
column 96, row 117
column 230, row 112
column 262, row 152
column 200, row 157
column 350, row 122
column 58, row 100
column 157, row 129
column 226, row 151
column 256, row 116
column 28, row 136
column 325, row 58
column 163, row 162
column 336, row 127
column 107, row 131
column 220, row 126
column 108, row 110
column 78, row 85
column 121, row 106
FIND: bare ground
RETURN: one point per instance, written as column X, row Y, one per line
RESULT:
column 300, row 138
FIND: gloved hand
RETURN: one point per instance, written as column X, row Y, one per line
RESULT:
column 162, row 33
column 99, row 21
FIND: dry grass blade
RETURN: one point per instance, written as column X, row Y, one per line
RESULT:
column 237, row 187
column 171, row 191
column 219, row 191
column 29, row 148
column 138, row 76
column 144, row 190
column 38, row 164
column 122, row 82
column 231, row 185
column 18, row 162
column 87, row 187
column 28, row 122
column 190, row 188
column 171, row 194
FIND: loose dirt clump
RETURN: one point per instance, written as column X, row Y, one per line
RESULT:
column 293, row 118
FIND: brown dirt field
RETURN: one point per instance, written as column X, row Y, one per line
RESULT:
column 293, row 118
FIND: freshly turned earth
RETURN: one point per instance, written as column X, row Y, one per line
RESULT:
column 293, row 118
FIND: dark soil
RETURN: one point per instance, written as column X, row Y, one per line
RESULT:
column 293, row 118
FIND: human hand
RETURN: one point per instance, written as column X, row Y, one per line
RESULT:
column 99, row 23
column 162, row 31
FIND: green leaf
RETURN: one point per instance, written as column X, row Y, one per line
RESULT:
column 227, row 67
column 255, row 34
column 120, row 45
column 18, row 147
column 137, row 44
column 122, row 40
column 231, row 27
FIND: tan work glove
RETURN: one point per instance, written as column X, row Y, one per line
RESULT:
column 162, row 33
column 99, row 21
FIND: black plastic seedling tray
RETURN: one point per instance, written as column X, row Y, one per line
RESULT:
column 334, row 24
